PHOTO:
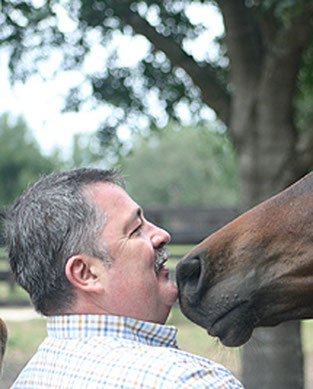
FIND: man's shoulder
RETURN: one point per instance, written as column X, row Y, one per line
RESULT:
column 115, row 361
column 190, row 370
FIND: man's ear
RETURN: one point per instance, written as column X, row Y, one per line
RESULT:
column 84, row 272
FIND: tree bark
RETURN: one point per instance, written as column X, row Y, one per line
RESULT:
column 273, row 358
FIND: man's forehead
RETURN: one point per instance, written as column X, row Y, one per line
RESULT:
column 101, row 191
column 111, row 196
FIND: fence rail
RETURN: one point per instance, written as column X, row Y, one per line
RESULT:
column 190, row 225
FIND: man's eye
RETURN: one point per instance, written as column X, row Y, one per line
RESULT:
column 136, row 230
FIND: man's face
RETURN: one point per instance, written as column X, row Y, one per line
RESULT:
column 131, row 286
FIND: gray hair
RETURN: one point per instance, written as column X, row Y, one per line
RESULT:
column 50, row 222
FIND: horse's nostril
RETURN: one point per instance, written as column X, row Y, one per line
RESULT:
column 189, row 272
column 195, row 269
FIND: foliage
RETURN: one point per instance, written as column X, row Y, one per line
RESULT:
column 28, row 31
column 168, row 71
column 21, row 161
column 183, row 166
column 87, row 152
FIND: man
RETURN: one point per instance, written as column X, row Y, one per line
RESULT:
column 95, row 267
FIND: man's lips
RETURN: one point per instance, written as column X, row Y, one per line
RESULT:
column 163, row 267
column 160, row 266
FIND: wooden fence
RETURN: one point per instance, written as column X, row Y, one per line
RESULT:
column 187, row 226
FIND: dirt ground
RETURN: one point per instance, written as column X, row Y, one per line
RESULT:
column 10, row 372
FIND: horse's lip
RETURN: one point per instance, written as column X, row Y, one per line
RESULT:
column 225, row 328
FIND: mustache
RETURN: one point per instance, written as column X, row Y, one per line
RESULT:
column 161, row 256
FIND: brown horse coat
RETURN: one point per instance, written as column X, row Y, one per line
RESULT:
column 255, row 271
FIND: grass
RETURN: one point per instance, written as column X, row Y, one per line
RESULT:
column 307, row 336
column 24, row 338
column 12, row 292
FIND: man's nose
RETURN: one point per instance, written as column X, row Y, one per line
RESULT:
column 160, row 237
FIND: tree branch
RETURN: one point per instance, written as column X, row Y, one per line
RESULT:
column 293, row 38
column 284, row 54
column 213, row 94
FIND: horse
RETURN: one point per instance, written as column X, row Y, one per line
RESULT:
column 255, row 271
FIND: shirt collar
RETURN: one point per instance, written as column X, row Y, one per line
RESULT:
column 78, row 326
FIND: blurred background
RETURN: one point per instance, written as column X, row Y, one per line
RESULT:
column 205, row 105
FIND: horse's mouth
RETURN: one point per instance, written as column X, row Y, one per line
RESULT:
column 234, row 327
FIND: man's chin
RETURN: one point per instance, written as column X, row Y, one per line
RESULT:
column 173, row 292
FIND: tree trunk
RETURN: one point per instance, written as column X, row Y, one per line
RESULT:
column 265, row 138
column 273, row 358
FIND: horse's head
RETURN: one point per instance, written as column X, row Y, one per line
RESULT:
column 256, row 271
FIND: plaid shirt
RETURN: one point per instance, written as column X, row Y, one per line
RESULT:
column 99, row 351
